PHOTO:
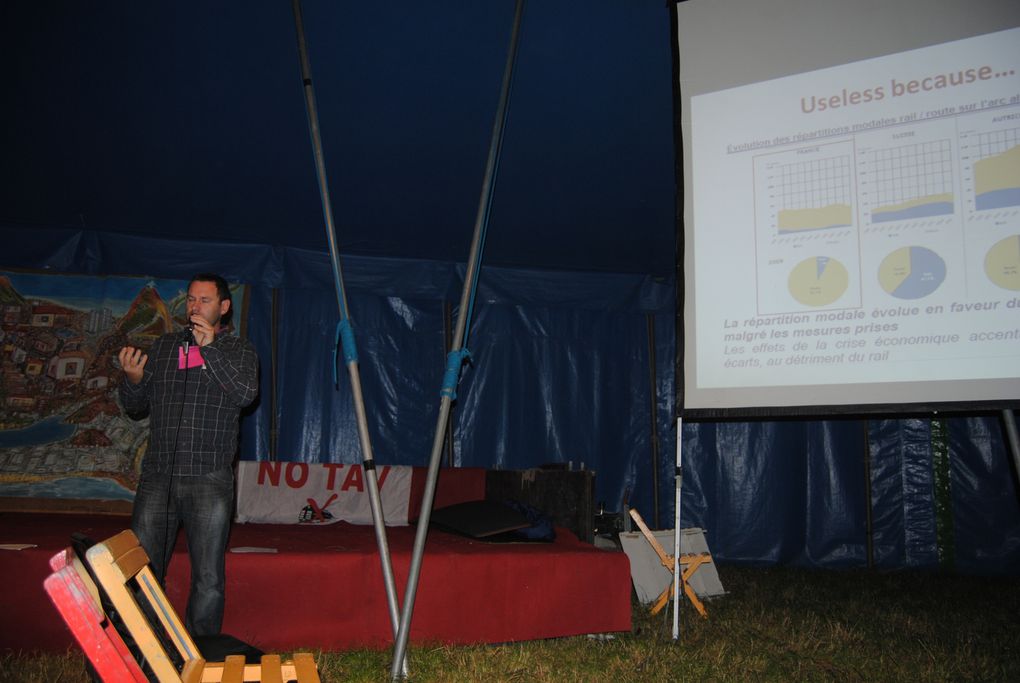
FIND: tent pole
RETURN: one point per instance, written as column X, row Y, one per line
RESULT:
column 274, row 367
column 869, row 529
column 350, row 355
column 654, row 413
column 1009, row 420
column 457, row 346
column 678, row 274
column 447, row 341
column 677, row 570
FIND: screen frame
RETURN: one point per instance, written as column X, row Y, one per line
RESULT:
column 890, row 397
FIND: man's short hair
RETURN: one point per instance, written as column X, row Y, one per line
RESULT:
column 222, row 290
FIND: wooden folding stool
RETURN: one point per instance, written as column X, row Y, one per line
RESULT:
column 689, row 564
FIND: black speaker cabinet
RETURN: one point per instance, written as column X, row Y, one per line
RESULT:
column 565, row 496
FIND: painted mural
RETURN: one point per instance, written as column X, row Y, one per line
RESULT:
column 63, row 433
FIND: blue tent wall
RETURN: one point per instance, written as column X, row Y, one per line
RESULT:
column 560, row 374
column 778, row 492
column 560, row 369
column 795, row 492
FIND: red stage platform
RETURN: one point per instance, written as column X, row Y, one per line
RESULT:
column 323, row 586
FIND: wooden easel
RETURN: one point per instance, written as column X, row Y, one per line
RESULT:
column 689, row 564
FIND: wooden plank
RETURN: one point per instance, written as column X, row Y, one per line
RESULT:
column 233, row 669
column 112, row 582
column 666, row 559
column 169, row 621
column 307, row 671
column 127, row 552
column 101, row 558
column 120, row 508
column 86, row 620
column 194, row 671
column 272, row 671
column 120, row 543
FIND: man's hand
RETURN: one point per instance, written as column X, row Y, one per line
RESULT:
column 132, row 361
column 205, row 333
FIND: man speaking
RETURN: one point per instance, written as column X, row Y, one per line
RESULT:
column 194, row 385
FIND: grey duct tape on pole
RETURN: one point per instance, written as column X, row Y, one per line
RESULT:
column 345, row 330
column 457, row 353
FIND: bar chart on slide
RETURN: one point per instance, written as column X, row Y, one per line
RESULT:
column 909, row 211
column 807, row 252
column 810, row 195
column 991, row 165
column 910, row 182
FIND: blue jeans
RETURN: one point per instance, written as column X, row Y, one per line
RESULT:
column 203, row 506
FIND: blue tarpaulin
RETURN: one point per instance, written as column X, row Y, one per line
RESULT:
column 560, row 373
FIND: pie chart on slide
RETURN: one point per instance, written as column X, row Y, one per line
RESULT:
column 911, row 272
column 1002, row 263
column 818, row 281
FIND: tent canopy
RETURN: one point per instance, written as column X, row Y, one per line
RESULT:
column 187, row 120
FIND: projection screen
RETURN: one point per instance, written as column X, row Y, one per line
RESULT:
column 851, row 204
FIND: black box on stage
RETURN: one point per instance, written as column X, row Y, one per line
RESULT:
column 565, row 496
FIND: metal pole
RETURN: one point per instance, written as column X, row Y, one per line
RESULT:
column 677, row 570
column 1009, row 421
column 447, row 333
column 654, row 413
column 868, row 521
column 678, row 274
column 368, row 461
column 274, row 368
column 463, row 314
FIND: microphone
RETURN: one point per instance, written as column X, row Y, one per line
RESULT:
column 188, row 337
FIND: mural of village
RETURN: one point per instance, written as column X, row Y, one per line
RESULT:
column 62, row 431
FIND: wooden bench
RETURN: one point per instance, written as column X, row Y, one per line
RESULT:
column 76, row 597
column 122, row 568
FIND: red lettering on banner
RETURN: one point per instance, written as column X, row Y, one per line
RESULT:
column 331, row 479
column 270, row 470
column 353, row 480
column 302, row 474
column 383, row 474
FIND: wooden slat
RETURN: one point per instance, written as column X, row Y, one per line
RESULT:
column 233, row 669
column 122, row 542
column 102, row 558
column 86, row 579
column 271, row 669
column 307, row 671
column 126, row 553
column 193, row 671
column 86, row 620
column 665, row 558
column 168, row 619
column 112, row 582
column 132, row 562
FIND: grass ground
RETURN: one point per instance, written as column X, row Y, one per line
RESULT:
column 775, row 624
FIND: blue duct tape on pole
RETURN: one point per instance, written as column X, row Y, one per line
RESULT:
column 454, row 361
column 345, row 340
